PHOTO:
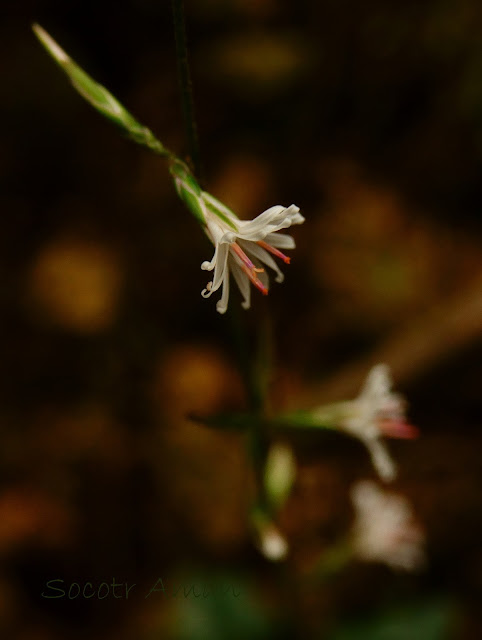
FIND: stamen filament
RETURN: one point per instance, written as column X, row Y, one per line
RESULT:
column 254, row 279
column 240, row 253
column 274, row 251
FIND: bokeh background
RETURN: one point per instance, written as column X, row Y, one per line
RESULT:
column 366, row 115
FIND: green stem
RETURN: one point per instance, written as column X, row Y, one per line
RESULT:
column 185, row 84
column 254, row 373
column 258, row 442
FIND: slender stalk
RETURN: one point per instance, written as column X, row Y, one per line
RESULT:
column 254, row 379
column 185, row 84
column 253, row 368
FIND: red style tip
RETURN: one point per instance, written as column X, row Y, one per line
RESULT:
column 398, row 429
column 274, row 251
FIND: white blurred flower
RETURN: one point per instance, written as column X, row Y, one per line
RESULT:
column 377, row 412
column 385, row 529
column 272, row 544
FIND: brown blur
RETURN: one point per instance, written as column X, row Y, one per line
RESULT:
column 368, row 116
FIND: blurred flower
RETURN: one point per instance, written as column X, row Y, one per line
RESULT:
column 241, row 246
column 272, row 544
column 269, row 541
column 376, row 412
column 384, row 529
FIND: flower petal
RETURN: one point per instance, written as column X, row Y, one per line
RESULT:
column 269, row 221
column 222, row 304
column 243, row 283
column 377, row 385
column 280, row 240
column 221, row 269
column 381, row 459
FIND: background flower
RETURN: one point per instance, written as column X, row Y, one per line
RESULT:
column 385, row 529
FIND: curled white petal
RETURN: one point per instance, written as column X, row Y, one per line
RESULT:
column 269, row 221
column 222, row 304
column 207, row 291
column 220, row 268
column 229, row 237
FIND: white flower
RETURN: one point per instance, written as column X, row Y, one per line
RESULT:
column 385, row 529
column 376, row 412
column 243, row 246
column 272, row 544
column 240, row 246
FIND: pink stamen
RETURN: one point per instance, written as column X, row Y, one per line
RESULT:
column 244, row 258
column 394, row 428
column 274, row 251
column 249, row 269
column 254, row 279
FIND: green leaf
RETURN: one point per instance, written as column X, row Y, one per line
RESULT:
column 99, row 97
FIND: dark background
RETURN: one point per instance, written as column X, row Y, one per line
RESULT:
column 369, row 118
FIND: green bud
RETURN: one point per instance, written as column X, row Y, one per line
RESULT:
column 188, row 189
column 99, row 97
column 279, row 474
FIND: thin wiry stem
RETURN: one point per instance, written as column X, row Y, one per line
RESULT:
column 258, row 443
column 254, row 369
column 186, row 84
